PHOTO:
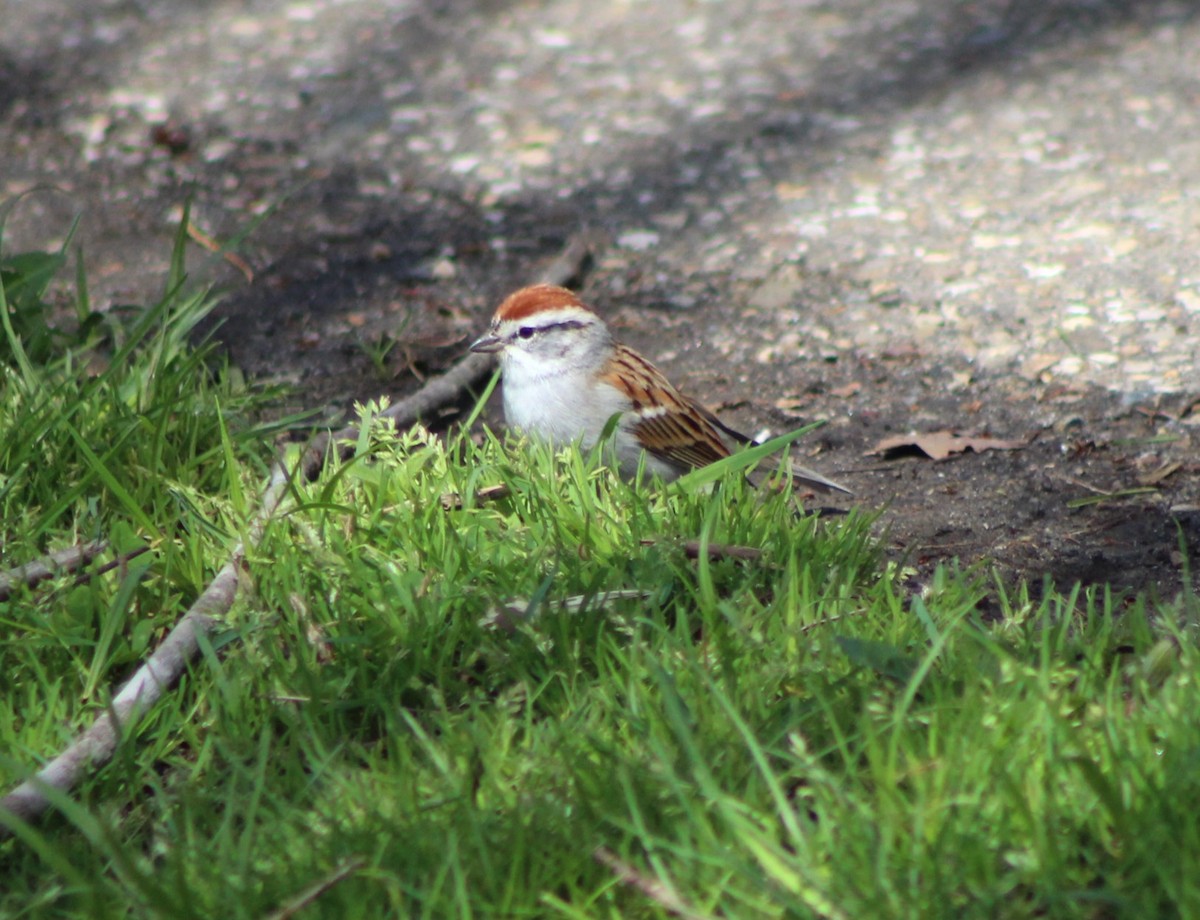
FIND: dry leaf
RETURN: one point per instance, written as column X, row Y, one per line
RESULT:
column 790, row 405
column 1163, row 472
column 940, row 445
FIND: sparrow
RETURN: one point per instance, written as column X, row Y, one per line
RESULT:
column 565, row 377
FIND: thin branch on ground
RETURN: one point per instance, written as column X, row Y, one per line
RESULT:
column 213, row 246
column 59, row 562
column 95, row 745
column 691, row 549
column 448, row 387
column 122, row 560
column 653, row 889
column 315, row 890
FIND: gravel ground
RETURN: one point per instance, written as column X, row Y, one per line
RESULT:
column 894, row 216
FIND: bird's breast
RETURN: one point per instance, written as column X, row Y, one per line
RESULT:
column 562, row 407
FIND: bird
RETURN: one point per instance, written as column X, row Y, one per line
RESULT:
column 565, row 377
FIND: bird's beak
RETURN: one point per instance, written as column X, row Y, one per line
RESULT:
column 488, row 344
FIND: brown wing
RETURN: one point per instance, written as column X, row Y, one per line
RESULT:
column 685, row 440
column 677, row 429
column 671, row 426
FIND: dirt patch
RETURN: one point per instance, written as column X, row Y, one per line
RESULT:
column 1103, row 493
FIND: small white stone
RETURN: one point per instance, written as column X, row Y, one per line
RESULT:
column 464, row 164
column 1189, row 300
column 988, row 241
column 638, row 240
column 443, row 269
column 301, row 12
column 1069, row 366
column 1044, row 272
column 552, row 38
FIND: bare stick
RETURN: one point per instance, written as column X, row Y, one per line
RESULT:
column 655, row 890
column 442, row 390
column 570, row 265
column 318, row 888
column 213, row 246
column 437, row 392
column 64, row 560
column 691, row 549
column 84, row 577
column 161, row 669
column 164, row 667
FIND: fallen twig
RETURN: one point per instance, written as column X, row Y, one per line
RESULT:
column 64, row 560
column 655, row 890
column 315, row 890
column 439, row 391
column 1164, row 472
column 691, row 549
column 433, row 395
column 1095, row 490
column 166, row 664
column 825, row 621
column 97, row 743
column 213, row 246
column 570, row 265
column 84, row 577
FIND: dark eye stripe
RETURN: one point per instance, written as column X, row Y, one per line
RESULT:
column 528, row 332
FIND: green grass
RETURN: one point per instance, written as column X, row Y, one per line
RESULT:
column 791, row 736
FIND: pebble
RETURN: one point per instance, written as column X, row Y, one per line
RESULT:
column 638, row 240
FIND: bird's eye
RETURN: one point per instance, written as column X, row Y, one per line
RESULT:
column 525, row 332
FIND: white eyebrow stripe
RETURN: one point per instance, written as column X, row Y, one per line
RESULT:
column 561, row 324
